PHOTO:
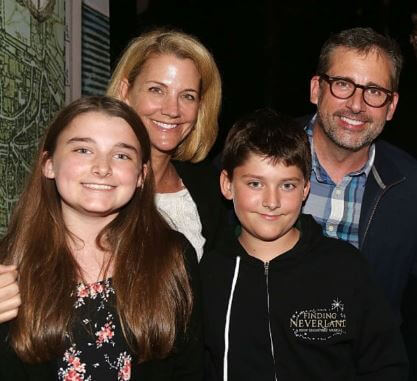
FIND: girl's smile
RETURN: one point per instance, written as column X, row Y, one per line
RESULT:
column 96, row 165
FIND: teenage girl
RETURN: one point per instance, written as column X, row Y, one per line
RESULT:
column 108, row 290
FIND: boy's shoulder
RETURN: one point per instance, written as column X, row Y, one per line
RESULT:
column 226, row 250
column 328, row 250
column 314, row 243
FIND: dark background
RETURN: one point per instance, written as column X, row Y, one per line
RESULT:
column 267, row 50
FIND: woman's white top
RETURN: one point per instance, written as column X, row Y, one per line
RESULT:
column 180, row 211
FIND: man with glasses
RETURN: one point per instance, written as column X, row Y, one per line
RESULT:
column 364, row 190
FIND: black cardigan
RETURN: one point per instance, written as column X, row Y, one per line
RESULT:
column 202, row 181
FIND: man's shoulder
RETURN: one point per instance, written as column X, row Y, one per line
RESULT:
column 331, row 253
column 325, row 250
column 387, row 153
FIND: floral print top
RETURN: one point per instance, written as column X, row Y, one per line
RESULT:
column 97, row 349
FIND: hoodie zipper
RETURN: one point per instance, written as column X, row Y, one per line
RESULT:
column 266, row 266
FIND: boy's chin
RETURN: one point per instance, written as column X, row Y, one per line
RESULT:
column 268, row 236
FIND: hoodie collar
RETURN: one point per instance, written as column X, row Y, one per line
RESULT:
column 310, row 232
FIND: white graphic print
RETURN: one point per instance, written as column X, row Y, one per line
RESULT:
column 319, row 324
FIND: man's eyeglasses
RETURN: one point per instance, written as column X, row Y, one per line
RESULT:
column 344, row 88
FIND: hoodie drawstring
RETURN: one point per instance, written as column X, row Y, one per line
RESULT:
column 271, row 341
column 227, row 325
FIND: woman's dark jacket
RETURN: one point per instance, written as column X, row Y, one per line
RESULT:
column 202, row 181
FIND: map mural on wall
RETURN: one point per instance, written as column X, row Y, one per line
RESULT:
column 32, row 87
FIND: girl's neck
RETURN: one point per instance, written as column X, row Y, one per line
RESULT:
column 86, row 227
column 84, row 230
column 93, row 262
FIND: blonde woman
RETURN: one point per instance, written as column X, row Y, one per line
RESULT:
column 172, row 82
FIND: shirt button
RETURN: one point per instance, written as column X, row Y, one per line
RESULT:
column 331, row 228
column 338, row 192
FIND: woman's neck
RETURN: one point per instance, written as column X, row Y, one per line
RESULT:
column 166, row 177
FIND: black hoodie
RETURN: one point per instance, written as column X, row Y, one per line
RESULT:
column 312, row 313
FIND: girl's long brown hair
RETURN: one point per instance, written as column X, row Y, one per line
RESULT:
column 153, row 294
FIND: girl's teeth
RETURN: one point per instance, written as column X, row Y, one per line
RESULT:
column 98, row 186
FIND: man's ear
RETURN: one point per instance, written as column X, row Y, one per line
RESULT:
column 315, row 89
column 226, row 185
column 124, row 90
column 392, row 106
column 48, row 168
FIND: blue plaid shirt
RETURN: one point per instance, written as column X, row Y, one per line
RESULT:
column 336, row 207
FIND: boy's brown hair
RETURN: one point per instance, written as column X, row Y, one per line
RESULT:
column 269, row 134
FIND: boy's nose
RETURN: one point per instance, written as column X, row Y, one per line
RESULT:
column 271, row 200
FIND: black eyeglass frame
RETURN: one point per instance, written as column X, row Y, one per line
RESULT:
column 330, row 80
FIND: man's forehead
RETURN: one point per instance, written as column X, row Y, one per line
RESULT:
column 350, row 62
column 374, row 53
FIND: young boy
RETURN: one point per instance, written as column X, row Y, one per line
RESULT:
column 282, row 302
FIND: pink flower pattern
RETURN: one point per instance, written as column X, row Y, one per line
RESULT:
column 96, row 346
column 106, row 333
column 75, row 370
column 125, row 363
column 99, row 289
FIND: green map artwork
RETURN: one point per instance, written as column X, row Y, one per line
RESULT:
column 32, row 90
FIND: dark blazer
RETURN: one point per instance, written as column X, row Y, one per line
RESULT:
column 388, row 223
column 388, row 235
column 202, row 181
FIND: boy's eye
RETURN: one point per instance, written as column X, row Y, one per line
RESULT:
column 82, row 150
column 288, row 186
column 122, row 156
column 254, row 184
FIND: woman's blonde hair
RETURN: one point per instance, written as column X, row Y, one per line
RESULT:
column 199, row 142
